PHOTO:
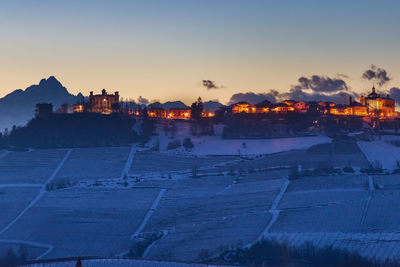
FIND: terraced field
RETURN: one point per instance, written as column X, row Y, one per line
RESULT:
column 123, row 197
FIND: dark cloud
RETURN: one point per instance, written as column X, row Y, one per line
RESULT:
column 377, row 75
column 318, row 83
column 142, row 101
column 344, row 76
column 395, row 94
column 254, row 98
column 208, row 84
column 298, row 94
column 314, row 88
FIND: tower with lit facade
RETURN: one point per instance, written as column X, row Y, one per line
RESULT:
column 381, row 106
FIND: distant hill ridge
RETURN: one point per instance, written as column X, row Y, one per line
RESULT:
column 209, row 105
column 18, row 107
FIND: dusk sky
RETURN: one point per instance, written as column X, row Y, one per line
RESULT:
column 164, row 49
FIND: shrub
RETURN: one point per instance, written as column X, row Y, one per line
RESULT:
column 294, row 173
column 141, row 245
column 173, row 145
column 231, row 171
column 372, row 168
column 59, row 184
column 195, row 172
column 324, row 168
column 188, row 144
column 348, row 169
column 156, row 146
column 272, row 253
column 11, row 258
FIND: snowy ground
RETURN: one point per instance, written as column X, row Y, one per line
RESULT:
column 118, row 263
column 206, row 213
column 29, row 167
column 214, row 145
column 79, row 221
column 381, row 151
column 122, row 196
column 94, row 163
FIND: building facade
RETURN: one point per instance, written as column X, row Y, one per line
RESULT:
column 179, row 113
column 378, row 105
column 103, row 103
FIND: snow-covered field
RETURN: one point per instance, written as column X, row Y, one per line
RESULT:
column 119, row 263
column 381, row 151
column 80, row 221
column 232, row 202
column 379, row 246
column 214, row 145
column 94, row 163
column 29, row 167
column 211, row 214
column 150, row 162
column 13, row 200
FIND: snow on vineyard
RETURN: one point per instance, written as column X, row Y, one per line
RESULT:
column 103, row 201
column 385, row 153
column 214, row 145
column 118, row 263
column 381, row 246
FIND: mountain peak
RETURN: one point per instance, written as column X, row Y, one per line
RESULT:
column 51, row 81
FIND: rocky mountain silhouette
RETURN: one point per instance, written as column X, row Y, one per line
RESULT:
column 18, row 107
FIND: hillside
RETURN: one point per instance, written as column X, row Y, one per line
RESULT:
column 18, row 107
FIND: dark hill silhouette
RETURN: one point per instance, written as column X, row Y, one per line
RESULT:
column 174, row 104
column 211, row 105
column 18, row 107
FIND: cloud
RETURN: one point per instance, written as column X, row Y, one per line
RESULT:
column 319, row 83
column 395, row 94
column 254, row 98
column 376, row 74
column 314, row 88
column 142, row 101
column 208, row 84
column 298, row 94
column 344, row 76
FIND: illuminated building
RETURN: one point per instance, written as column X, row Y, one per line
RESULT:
column 157, row 112
column 263, row 107
column 290, row 103
column 301, row 106
column 241, row 107
column 78, row 108
column 179, row 113
column 103, row 103
column 355, row 109
column 281, row 108
column 377, row 105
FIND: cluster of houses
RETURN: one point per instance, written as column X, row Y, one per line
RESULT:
column 372, row 105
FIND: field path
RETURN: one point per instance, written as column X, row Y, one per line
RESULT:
column 29, row 243
column 41, row 193
column 2, row 155
column 129, row 161
column 149, row 213
column 274, row 211
column 371, row 190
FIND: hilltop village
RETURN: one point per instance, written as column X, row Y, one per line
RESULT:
column 107, row 120
column 371, row 106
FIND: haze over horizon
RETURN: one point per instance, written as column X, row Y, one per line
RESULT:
column 168, row 51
